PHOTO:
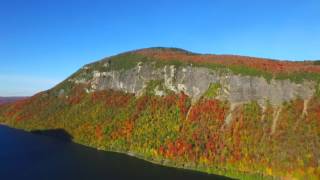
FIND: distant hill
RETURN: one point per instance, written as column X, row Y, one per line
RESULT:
column 243, row 117
column 5, row 100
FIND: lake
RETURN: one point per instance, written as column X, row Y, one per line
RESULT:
column 26, row 155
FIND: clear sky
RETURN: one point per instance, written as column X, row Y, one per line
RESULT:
column 44, row 41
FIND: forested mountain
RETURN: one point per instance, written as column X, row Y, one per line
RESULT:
column 4, row 100
column 237, row 116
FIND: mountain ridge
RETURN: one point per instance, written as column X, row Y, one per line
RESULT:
column 10, row 99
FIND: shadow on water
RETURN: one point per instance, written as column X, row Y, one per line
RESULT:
column 60, row 134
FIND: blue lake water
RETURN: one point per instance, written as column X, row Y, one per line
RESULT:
column 25, row 155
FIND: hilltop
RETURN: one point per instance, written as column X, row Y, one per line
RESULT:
column 239, row 116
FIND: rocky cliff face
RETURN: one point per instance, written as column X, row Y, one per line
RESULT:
column 195, row 82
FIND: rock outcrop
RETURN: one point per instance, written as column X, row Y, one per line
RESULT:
column 195, row 81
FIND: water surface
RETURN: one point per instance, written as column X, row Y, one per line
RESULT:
column 25, row 155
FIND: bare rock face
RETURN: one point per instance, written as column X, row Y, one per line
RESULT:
column 244, row 88
column 195, row 81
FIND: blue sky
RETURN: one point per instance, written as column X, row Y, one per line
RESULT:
column 44, row 41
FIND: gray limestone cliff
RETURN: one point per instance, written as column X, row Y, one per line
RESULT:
column 194, row 81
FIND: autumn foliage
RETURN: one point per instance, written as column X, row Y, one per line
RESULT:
column 268, row 65
column 172, row 129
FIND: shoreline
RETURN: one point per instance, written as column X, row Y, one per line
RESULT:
column 232, row 174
